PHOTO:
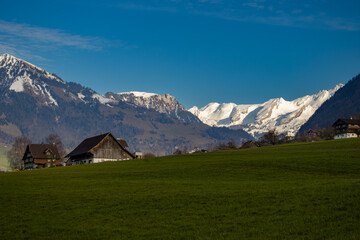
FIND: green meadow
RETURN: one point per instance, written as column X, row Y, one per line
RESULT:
column 292, row 191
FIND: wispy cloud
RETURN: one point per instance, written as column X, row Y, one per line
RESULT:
column 48, row 36
column 143, row 7
column 259, row 4
column 281, row 13
column 25, row 40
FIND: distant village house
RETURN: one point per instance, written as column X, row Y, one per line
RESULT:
column 101, row 148
column 311, row 133
column 138, row 155
column 197, row 150
column 347, row 128
column 41, row 156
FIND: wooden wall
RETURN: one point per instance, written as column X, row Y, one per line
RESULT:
column 109, row 149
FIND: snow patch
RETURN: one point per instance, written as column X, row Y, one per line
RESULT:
column 52, row 100
column 139, row 94
column 18, row 84
column 81, row 96
column 102, row 99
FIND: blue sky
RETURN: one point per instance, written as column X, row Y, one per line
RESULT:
column 199, row 51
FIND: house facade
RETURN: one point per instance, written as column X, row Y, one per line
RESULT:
column 41, row 156
column 346, row 128
column 101, row 148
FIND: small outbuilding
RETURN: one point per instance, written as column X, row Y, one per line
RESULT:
column 101, row 148
column 138, row 155
column 41, row 156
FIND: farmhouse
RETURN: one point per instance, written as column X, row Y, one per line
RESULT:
column 347, row 128
column 41, row 156
column 101, row 148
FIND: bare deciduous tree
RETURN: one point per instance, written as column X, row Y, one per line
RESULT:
column 17, row 152
column 177, row 152
column 356, row 116
column 327, row 133
column 149, row 155
column 55, row 139
column 271, row 137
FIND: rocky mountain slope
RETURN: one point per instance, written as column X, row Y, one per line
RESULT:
column 344, row 104
column 166, row 104
column 285, row 116
column 36, row 103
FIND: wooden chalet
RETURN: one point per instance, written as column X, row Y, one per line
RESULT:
column 41, row 156
column 101, row 148
column 347, row 128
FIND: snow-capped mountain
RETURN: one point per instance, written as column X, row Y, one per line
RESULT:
column 20, row 76
column 36, row 103
column 166, row 103
column 285, row 116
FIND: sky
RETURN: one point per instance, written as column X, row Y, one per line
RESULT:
column 199, row 51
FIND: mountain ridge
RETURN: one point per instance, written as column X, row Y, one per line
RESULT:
column 285, row 116
column 343, row 104
column 36, row 103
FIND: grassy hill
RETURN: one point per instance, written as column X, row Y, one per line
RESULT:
column 294, row 191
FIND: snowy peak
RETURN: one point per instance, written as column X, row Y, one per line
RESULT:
column 20, row 76
column 15, row 66
column 6, row 59
column 285, row 116
column 166, row 103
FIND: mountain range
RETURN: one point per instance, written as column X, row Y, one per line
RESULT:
column 36, row 103
column 285, row 116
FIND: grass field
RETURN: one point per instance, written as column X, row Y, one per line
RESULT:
column 294, row 191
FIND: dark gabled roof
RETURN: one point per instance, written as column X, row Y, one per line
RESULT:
column 123, row 143
column 85, row 146
column 348, row 121
column 40, row 150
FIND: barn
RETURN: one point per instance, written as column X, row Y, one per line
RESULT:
column 101, row 148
